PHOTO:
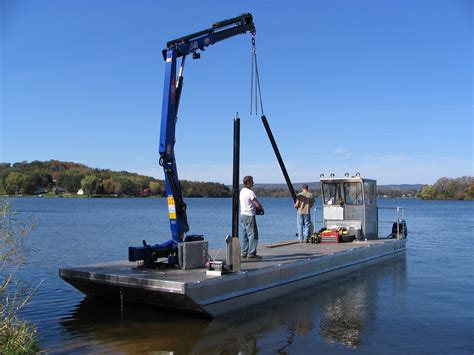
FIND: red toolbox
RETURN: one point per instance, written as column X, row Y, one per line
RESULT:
column 330, row 237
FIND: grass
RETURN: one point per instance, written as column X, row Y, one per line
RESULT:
column 17, row 336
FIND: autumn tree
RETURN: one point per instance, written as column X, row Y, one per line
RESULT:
column 14, row 182
column 469, row 193
column 70, row 180
column 449, row 189
column 90, row 185
column 157, row 188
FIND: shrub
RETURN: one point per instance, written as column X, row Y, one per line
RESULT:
column 16, row 335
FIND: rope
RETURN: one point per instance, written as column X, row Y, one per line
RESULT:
column 218, row 251
column 255, row 80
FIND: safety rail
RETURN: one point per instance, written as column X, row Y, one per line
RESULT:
column 400, row 217
column 315, row 220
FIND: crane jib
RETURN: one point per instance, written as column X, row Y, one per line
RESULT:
column 173, row 84
column 219, row 31
column 181, row 47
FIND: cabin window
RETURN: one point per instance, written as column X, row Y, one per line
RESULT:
column 332, row 194
column 353, row 193
column 370, row 195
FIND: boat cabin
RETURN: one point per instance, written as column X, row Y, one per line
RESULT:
column 351, row 202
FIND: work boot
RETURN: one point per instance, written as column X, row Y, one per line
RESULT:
column 254, row 256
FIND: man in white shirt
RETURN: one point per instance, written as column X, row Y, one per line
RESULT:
column 248, row 205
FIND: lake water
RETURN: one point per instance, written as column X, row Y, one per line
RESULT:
column 420, row 303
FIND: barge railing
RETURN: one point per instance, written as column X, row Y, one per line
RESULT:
column 400, row 217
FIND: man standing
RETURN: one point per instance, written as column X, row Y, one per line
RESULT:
column 248, row 204
column 304, row 202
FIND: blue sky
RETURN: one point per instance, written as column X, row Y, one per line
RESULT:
column 383, row 88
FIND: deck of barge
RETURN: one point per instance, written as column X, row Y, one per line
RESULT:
column 280, row 270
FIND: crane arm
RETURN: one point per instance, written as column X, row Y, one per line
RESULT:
column 219, row 31
column 181, row 47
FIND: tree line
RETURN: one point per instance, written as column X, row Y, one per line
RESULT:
column 444, row 189
column 57, row 177
column 449, row 189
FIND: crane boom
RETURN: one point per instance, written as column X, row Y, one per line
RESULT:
column 173, row 84
column 181, row 47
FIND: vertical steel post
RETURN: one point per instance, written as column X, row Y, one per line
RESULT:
column 235, row 250
column 235, row 179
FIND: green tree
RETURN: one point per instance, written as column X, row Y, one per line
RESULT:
column 157, row 188
column 126, row 186
column 90, row 184
column 141, row 182
column 109, row 186
column 13, row 182
column 4, row 171
column 427, row 193
column 441, row 187
column 70, row 180
column 17, row 182
column 449, row 189
column 42, row 179
column 469, row 193
column 28, row 185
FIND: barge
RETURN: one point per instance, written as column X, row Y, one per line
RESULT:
column 179, row 273
column 349, row 209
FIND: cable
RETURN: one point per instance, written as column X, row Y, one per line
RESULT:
column 255, row 80
column 218, row 251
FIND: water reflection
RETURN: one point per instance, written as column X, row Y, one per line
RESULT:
column 132, row 328
column 342, row 321
column 355, row 306
column 337, row 313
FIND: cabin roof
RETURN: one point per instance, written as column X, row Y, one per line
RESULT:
column 347, row 179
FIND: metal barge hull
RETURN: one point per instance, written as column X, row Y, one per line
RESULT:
column 281, row 271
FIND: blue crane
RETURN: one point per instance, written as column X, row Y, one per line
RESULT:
column 181, row 47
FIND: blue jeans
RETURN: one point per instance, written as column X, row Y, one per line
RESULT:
column 249, row 235
column 303, row 222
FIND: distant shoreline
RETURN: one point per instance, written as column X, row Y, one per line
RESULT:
column 152, row 197
column 56, row 178
column 193, row 197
